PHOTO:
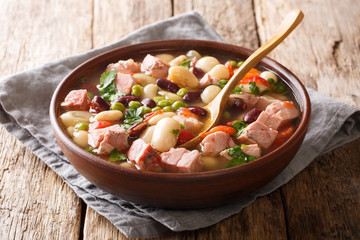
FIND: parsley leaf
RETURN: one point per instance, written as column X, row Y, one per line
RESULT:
column 90, row 150
column 116, row 156
column 182, row 126
column 175, row 132
column 222, row 83
column 186, row 63
column 238, row 90
column 107, row 88
column 240, row 157
column 239, row 127
column 132, row 116
column 254, row 89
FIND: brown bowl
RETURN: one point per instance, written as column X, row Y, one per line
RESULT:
column 179, row 190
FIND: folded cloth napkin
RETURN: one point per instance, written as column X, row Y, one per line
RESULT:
column 24, row 104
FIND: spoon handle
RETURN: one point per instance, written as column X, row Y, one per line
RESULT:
column 290, row 22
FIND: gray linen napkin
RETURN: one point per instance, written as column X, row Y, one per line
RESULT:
column 332, row 124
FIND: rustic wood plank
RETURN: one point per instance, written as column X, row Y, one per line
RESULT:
column 320, row 201
column 34, row 202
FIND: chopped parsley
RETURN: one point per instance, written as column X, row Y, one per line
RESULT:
column 186, row 63
column 254, row 89
column 238, row 90
column 175, row 132
column 182, row 126
column 107, row 88
column 271, row 81
column 132, row 116
column 90, row 150
column 239, row 127
column 116, row 156
column 240, row 157
column 222, row 83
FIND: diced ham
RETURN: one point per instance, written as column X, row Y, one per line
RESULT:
column 207, row 79
column 143, row 155
column 265, row 101
column 190, row 123
column 76, row 100
column 128, row 66
column 155, row 67
column 215, row 142
column 250, row 99
column 181, row 160
column 259, row 133
column 124, row 82
column 277, row 114
column 106, row 139
column 225, row 154
column 252, row 150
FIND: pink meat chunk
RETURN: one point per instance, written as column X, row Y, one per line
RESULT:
column 76, row 100
column 155, row 67
column 250, row 99
column 143, row 155
column 276, row 115
column 225, row 154
column 259, row 133
column 128, row 66
column 215, row 142
column 106, row 139
column 190, row 123
column 207, row 79
column 181, row 160
column 265, row 101
column 124, row 82
column 252, row 150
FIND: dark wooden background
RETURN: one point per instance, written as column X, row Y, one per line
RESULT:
column 322, row 202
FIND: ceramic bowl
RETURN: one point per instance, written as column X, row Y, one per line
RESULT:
column 179, row 190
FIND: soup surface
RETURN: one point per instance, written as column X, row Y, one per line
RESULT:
column 140, row 113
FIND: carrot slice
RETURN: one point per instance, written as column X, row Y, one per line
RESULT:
column 220, row 128
column 230, row 68
column 251, row 73
column 99, row 124
column 286, row 131
column 257, row 79
column 288, row 104
column 153, row 114
column 187, row 113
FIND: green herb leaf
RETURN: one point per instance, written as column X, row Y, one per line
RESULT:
column 175, row 132
column 108, row 89
column 116, row 156
column 182, row 126
column 240, row 157
column 238, row 90
column 239, row 127
column 186, row 63
column 90, row 150
column 107, row 78
column 271, row 81
column 254, row 89
column 132, row 116
column 222, row 83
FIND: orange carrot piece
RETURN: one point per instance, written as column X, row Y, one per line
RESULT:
column 220, row 128
column 288, row 104
column 151, row 115
column 187, row 113
column 257, row 79
column 251, row 73
column 286, row 131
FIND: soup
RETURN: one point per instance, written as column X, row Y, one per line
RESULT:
column 140, row 113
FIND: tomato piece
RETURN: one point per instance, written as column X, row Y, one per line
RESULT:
column 220, row 128
column 184, row 136
column 99, row 124
column 257, row 79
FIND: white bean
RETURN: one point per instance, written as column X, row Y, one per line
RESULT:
column 71, row 118
column 111, row 115
column 127, row 164
column 192, row 54
column 209, row 93
column 144, row 79
column 176, row 61
column 165, row 57
column 149, row 91
column 219, row 72
column 267, row 74
column 207, row 63
column 70, row 131
column 163, row 139
column 154, row 120
column 81, row 138
column 183, row 77
column 147, row 134
column 171, row 96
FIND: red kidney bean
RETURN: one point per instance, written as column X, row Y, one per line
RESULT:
column 191, row 96
column 99, row 104
column 167, row 85
column 252, row 115
column 197, row 72
column 201, row 112
column 148, row 102
column 126, row 99
column 136, row 130
column 239, row 106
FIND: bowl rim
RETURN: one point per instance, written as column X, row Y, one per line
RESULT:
column 297, row 135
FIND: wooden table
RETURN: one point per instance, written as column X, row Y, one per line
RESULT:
column 322, row 202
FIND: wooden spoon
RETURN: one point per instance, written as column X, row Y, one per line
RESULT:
column 217, row 105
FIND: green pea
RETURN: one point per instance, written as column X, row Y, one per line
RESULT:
column 181, row 92
column 240, row 63
column 136, row 90
column 117, row 106
column 82, row 126
column 178, row 104
column 164, row 103
column 134, row 104
column 155, row 109
column 168, row 109
column 158, row 98
column 145, row 110
column 233, row 63
column 226, row 115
